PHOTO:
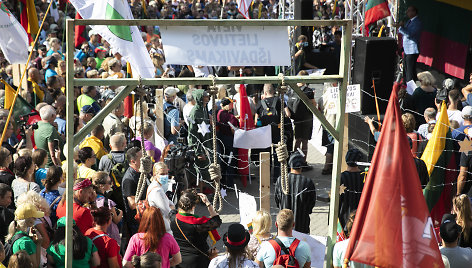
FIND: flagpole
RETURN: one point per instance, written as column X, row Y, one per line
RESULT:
column 23, row 76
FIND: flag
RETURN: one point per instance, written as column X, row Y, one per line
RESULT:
column 246, row 122
column 126, row 40
column 129, row 100
column 79, row 31
column 392, row 227
column 54, row 11
column 441, row 163
column 375, row 10
column 14, row 39
column 243, row 7
column 145, row 13
column 22, row 107
column 29, row 19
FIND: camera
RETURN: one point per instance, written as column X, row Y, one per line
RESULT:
column 23, row 124
column 178, row 158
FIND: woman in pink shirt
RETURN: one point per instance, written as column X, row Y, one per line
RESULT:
column 152, row 236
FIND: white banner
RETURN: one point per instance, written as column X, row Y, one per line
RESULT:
column 226, row 45
column 258, row 138
column 353, row 99
column 13, row 40
column 247, row 208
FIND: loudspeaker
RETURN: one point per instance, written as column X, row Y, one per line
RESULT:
column 374, row 59
column 360, row 136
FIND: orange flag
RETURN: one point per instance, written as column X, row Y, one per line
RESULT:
column 393, row 227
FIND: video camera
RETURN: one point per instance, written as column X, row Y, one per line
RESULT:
column 23, row 124
column 178, row 158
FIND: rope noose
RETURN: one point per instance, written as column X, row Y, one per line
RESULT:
column 214, row 169
column 281, row 147
column 146, row 161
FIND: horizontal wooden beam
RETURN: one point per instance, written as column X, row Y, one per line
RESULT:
column 206, row 80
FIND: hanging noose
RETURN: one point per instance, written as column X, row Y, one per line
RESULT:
column 214, row 169
column 146, row 161
column 281, row 147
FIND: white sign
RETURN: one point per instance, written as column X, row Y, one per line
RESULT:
column 226, row 45
column 410, row 87
column 317, row 245
column 258, row 138
column 247, row 208
column 353, row 99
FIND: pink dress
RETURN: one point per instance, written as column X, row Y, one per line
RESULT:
column 167, row 246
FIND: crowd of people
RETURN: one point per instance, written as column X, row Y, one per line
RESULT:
column 123, row 215
column 127, row 215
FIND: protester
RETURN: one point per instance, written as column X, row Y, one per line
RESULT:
column 268, row 252
column 152, row 237
column 450, row 232
column 84, row 252
column 102, row 183
column 191, row 231
column 87, row 158
column 22, row 233
column 6, row 159
column 261, row 225
column 411, row 31
column 301, row 197
column 24, row 171
column 424, row 95
column 95, row 141
column 235, row 240
column 6, row 214
column 156, row 194
column 51, row 191
column 147, row 260
column 20, row 259
column 47, row 138
column 108, row 248
column 83, row 193
column 462, row 208
column 40, row 158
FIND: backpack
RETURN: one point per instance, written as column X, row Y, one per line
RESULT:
column 269, row 114
column 167, row 120
column 287, row 259
column 117, row 171
column 8, row 247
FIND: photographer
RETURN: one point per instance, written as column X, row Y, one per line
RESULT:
column 46, row 135
column 10, row 142
column 300, row 55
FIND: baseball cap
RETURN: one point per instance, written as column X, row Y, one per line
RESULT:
column 467, row 112
column 171, row 91
column 449, row 229
column 62, row 222
column 100, row 49
column 88, row 109
column 26, row 211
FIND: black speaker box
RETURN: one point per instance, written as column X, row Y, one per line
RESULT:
column 374, row 59
column 360, row 136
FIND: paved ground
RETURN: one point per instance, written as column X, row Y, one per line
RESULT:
column 319, row 216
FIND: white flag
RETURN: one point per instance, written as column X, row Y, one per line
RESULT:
column 126, row 40
column 14, row 39
column 258, row 138
column 243, row 7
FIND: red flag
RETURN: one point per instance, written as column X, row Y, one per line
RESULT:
column 393, row 227
column 79, row 30
column 246, row 121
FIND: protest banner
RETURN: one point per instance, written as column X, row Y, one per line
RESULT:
column 258, row 138
column 247, row 208
column 353, row 99
column 226, row 45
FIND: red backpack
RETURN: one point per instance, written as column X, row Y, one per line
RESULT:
column 287, row 259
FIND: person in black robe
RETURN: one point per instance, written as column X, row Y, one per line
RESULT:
column 301, row 197
column 352, row 183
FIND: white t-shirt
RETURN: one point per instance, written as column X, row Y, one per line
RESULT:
column 454, row 115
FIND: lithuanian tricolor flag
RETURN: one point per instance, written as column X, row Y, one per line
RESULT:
column 440, row 162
